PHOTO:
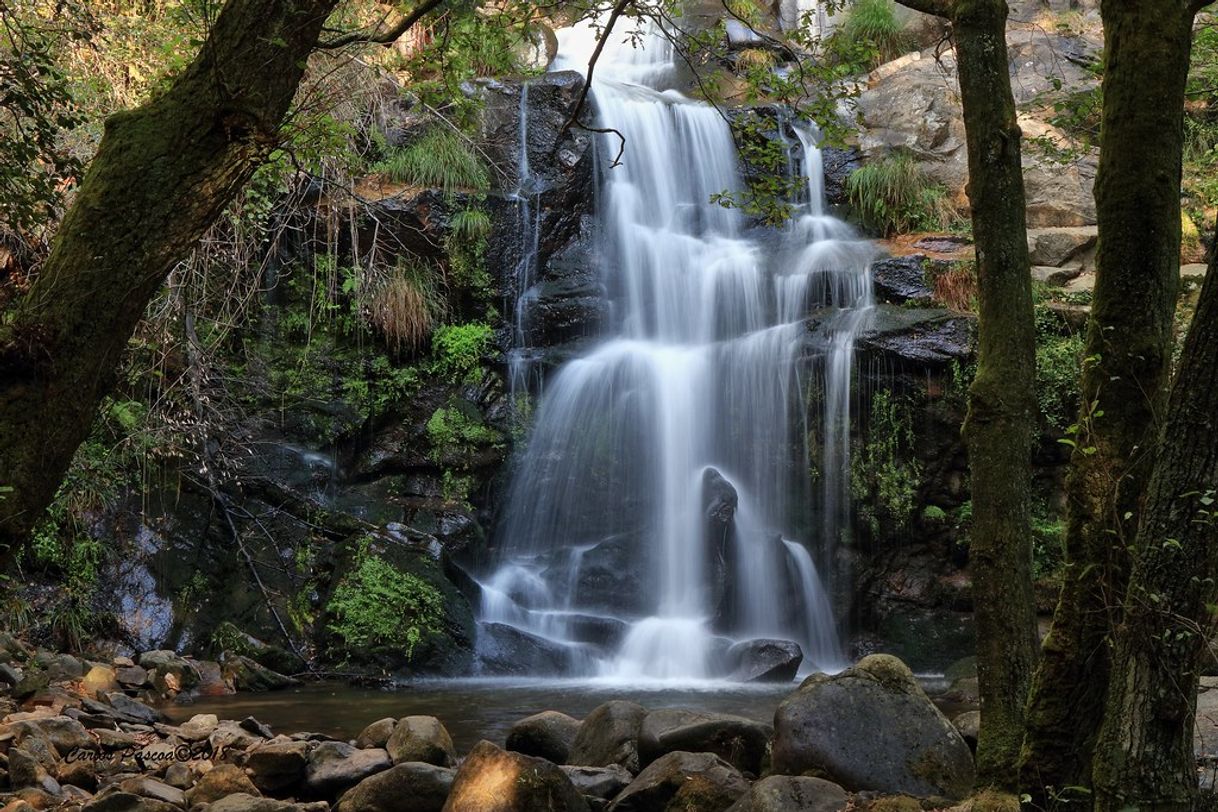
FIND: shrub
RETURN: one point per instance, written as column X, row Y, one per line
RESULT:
column 1058, row 369
column 458, row 350
column 451, row 431
column 441, row 159
column 956, row 287
column 470, row 224
column 870, row 34
column 893, row 196
column 407, row 305
column 378, row 606
column 884, row 478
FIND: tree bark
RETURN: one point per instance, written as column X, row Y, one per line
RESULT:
column 1128, row 353
column 1144, row 759
column 1001, row 418
column 162, row 175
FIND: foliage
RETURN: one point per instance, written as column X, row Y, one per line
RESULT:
column 379, row 606
column 894, row 196
column 36, row 108
column 870, row 34
column 956, row 287
column 458, row 350
column 1048, row 543
column 884, row 476
column 440, row 159
column 770, row 187
column 1058, row 370
column 451, row 432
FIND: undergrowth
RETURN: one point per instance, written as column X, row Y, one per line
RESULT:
column 894, row 196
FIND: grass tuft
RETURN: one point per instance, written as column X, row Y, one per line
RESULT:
column 871, row 28
column 441, row 159
column 894, row 196
column 407, row 306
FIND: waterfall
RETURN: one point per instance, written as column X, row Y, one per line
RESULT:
column 701, row 383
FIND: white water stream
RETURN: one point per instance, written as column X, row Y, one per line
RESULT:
column 605, row 546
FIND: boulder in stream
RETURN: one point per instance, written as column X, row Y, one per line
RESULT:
column 741, row 742
column 677, row 781
column 421, row 738
column 547, row 735
column 791, row 793
column 872, row 727
column 610, row 735
column 494, row 780
column 765, row 660
column 411, row 786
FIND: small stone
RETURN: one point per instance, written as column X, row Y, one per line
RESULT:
column 152, row 788
column 599, row 782
column 376, row 734
column 218, row 782
column 100, row 680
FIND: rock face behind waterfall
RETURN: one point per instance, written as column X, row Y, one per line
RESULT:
column 872, row 728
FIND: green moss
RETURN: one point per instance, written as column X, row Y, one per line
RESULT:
column 451, row 433
column 458, row 351
column 378, row 606
column 884, row 476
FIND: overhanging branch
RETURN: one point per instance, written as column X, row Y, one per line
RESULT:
column 381, row 35
column 939, row 8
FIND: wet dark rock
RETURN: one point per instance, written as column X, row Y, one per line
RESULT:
column 614, row 576
column 599, row 782
column 900, row 279
column 680, row 780
column 336, row 766
column 916, row 338
column 377, row 733
column 610, row 735
column 569, row 302
column 505, row 650
column 547, row 735
column 788, row 793
column 839, row 164
column 741, row 742
column 872, row 728
column 421, row 738
column 765, row 660
column 133, row 710
column 218, row 782
column 248, row 675
column 494, row 780
column 277, row 766
column 411, row 786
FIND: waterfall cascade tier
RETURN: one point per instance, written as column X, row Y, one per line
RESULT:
column 663, row 507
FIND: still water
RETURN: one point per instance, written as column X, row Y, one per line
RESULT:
column 471, row 709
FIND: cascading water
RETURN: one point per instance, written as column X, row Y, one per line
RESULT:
column 662, row 504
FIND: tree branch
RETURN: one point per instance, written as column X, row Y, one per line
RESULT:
column 939, row 8
column 383, row 36
column 618, row 8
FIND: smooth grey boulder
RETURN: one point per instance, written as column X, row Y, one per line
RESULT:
column 547, row 735
column 872, row 727
column 337, row 766
column 411, row 786
column 765, row 660
column 740, row 742
column 494, row 780
column 598, row 782
column 610, row 735
column 678, row 781
column 421, row 738
column 792, row 793
column 376, row 734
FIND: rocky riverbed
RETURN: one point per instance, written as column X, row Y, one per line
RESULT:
column 86, row 735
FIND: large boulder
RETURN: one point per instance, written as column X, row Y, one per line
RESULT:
column 765, row 660
column 610, row 735
column 678, row 781
column 277, row 766
column 872, row 727
column 494, row 780
column 741, row 742
column 337, row 766
column 547, row 735
column 789, row 793
column 411, row 786
column 897, row 280
column 421, row 738
column 909, row 338
column 504, row 650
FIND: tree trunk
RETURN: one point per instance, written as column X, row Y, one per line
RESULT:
column 1002, row 405
column 1128, row 352
column 1144, row 758
column 162, row 175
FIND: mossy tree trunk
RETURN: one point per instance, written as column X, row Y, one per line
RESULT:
column 1001, row 418
column 162, row 175
column 1128, row 353
column 1144, row 756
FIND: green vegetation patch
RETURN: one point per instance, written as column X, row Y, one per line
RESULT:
column 894, row 196
column 458, row 350
column 440, row 159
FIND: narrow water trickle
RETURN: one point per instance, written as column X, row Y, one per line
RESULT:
column 663, row 506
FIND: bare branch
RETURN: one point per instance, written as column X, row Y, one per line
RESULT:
column 618, row 8
column 939, row 8
column 384, row 36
